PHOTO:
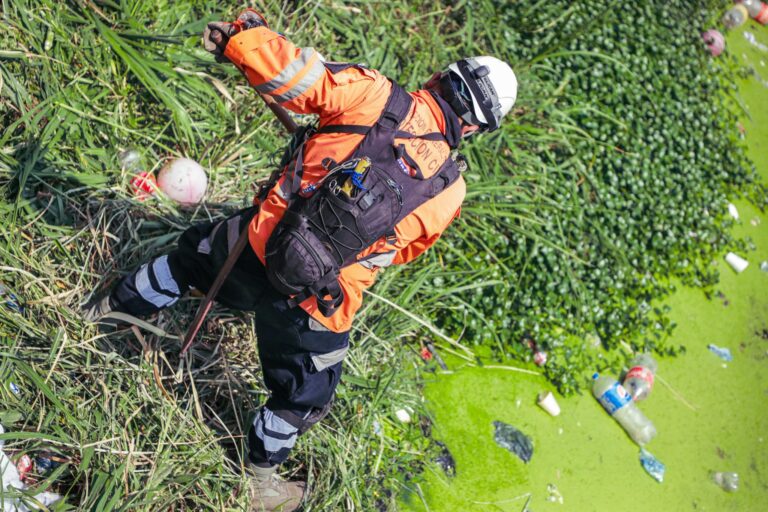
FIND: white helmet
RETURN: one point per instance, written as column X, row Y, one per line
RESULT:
column 481, row 90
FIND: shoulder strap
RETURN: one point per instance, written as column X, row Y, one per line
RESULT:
column 397, row 107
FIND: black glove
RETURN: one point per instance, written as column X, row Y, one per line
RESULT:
column 217, row 34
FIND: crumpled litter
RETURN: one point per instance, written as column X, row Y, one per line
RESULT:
column 721, row 352
column 513, row 440
column 11, row 481
column 652, row 465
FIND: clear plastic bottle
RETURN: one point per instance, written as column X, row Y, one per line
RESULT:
column 735, row 16
column 639, row 379
column 618, row 403
column 753, row 6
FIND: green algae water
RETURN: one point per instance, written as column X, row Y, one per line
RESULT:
column 710, row 415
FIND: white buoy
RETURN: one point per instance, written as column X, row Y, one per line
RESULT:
column 183, row 180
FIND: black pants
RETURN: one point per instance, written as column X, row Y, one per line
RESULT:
column 301, row 359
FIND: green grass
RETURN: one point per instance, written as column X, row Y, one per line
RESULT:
column 140, row 429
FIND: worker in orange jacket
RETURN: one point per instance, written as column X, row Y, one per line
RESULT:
column 301, row 345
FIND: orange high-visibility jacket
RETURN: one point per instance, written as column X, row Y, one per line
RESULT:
column 299, row 80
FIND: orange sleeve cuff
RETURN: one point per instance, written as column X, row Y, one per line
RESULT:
column 246, row 42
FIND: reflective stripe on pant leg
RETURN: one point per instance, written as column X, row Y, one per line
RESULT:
column 271, row 437
column 156, row 285
column 302, row 368
column 148, row 289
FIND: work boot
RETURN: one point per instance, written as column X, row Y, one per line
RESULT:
column 94, row 310
column 271, row 493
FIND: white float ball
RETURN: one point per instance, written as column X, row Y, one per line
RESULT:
column 183, row 180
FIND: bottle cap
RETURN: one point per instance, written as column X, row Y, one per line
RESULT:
column 595, row 376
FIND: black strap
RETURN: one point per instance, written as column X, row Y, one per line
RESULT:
column 345, row 128
column 483, row 102
column 433, row 136
column 363, row 130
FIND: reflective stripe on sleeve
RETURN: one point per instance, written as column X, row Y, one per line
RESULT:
column 289, row 72
column 314, row 70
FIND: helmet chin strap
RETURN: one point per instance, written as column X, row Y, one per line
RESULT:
column 482, row 89
column 453, row 98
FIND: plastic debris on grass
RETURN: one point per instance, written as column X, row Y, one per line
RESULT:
column 721, row 352
column 10, row 300
column 513, row 440
column 652, row 465
column 12, row 482
column 403, row 415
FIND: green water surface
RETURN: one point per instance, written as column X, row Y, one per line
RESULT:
column 711, row 416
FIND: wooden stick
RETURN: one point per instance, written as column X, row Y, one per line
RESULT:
column 290, row 126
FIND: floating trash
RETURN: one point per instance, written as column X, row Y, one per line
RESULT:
column 729, row 482
column 737, row 263
column 733, row 211
column 445, row 460
column 764, row 266
column 721, row 352
column 750, row 37
column 548, row 402
column 513, row 440
column 554, row 494
column 14, row 388
column 735, row 16
column 376, row 427
column 715, row 42
column 652, row 465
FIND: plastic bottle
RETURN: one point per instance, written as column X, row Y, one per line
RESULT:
column 757, row 9
column 753, row 6
column 639, row 379
column 735, row 16
column 618, row 403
